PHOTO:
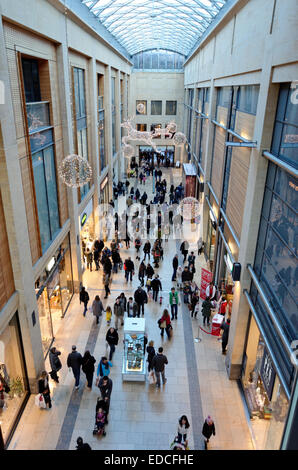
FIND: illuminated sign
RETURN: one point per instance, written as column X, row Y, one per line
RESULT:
column 83, row 219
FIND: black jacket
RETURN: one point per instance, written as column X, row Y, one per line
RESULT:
column 74, row 360
column 147, row 247
column 208, row 430
column 55, row 361
column 149, row 271
column 175, row 262
column 140, row 297
column 226, row 328
column 105, row 390
column 112, row 338
column 84, row 296
column 88, row 364
column 42, row 388
column 130, row 267
column 156, row 285
column 159, row 361
column 151, row 353
column 186, row 276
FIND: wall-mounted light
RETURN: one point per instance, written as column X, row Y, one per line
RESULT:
column 228, row 262
column 212, row 216
column 236, row 271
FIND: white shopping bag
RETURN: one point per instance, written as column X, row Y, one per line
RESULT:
column 39, row 401
column 152, row 378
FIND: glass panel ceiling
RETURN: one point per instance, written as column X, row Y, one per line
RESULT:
column 140, row 25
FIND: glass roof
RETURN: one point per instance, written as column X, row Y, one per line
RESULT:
column 140, row 25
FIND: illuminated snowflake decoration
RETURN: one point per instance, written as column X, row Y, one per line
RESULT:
column 75, row 171
column 179, row 138
column 141, row 108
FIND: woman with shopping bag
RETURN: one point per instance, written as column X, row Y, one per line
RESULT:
column 44, row 390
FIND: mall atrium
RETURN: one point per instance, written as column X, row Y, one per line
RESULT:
column 124, row 122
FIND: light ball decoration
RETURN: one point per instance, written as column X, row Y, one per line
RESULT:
column 75, row 171
column 172, row 127
column 141, row 108
column 179, row 138
column 128, row 151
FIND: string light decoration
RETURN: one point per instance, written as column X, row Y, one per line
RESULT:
column 75, row 171
column 190, row 209
column 171, row 127
column 179, row 138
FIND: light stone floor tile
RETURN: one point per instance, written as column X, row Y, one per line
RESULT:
column 141, row 417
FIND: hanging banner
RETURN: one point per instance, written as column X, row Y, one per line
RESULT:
column 206, row 278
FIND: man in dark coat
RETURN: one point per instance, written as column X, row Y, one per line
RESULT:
column 74, row 361
column 129, row 268
column 141, row 298
column 112, row 339
column 84, row 297
column 186, row 275
column 55, row 363
column 175, row 266
column 225, row 336
column 156, row 287
column 184, row 249
column 208, row 429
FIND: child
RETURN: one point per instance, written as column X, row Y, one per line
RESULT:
column 108, row 315
column 100, row 419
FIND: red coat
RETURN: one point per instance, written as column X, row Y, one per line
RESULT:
column 166, row 319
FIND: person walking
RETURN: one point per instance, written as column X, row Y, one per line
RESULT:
column 89, row 258
column 156, row 287
column 149, row 271
column 84, row 298
column 165, row 323
column 88, row 362
column 108, row 315
column 158, row 364
column 179, row 277
column 103, row 368
column 116, row 260
column 183, row 428
column 184, row 249
column 131, row 308
column 44, row 388
column 129, row 269
column 141, row 299
column 81, row 445
column 208, row 429
column 55, row 363
column 225, row 336
column 174, row 301
column 151, row 353
column 106, row 282
column 118, row 312
column 147, row 249
column 191, row 259
column 74, row 361
column 142, row 271
column 96, row 257
column 112, row 339
column 175, row 264
column 206, row 311
column 186, row 275
column 97, row 308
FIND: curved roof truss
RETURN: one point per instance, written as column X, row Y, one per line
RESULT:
column 156, row 24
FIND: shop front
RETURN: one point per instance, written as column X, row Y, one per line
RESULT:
column 54, row 290
column 223, row 279
column 87, row 234
column 264, row 394
column 189, row 176
column 14, row 388
column 166, row 156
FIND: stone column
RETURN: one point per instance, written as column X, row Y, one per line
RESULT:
column 94, row 140
column 108, row 126
column 17, row 228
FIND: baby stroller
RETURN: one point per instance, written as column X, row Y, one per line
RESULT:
column 100, row 418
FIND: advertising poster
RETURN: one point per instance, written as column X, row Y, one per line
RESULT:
column 206, row 278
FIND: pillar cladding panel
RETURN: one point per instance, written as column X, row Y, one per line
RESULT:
column 7, row 287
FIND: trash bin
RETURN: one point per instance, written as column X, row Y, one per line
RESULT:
column 216, row 324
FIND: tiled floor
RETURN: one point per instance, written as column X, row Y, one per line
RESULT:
column 141, row 416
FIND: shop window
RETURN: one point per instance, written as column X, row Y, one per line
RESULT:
column 31, row 80
column 171, row 108
column 141, row 127
column 13, row 379
column 154, row 128
column 46, row 195
column 156, row 107
column 248, row 99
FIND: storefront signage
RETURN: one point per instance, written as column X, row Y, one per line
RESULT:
column 267, row 374
column 206, row 278
column 83, row 219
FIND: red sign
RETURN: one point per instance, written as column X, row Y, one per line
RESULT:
column 206, row 278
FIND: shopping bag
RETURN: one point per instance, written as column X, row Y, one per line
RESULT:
column 150, row 295
column 152, row 378
column 39, row 401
